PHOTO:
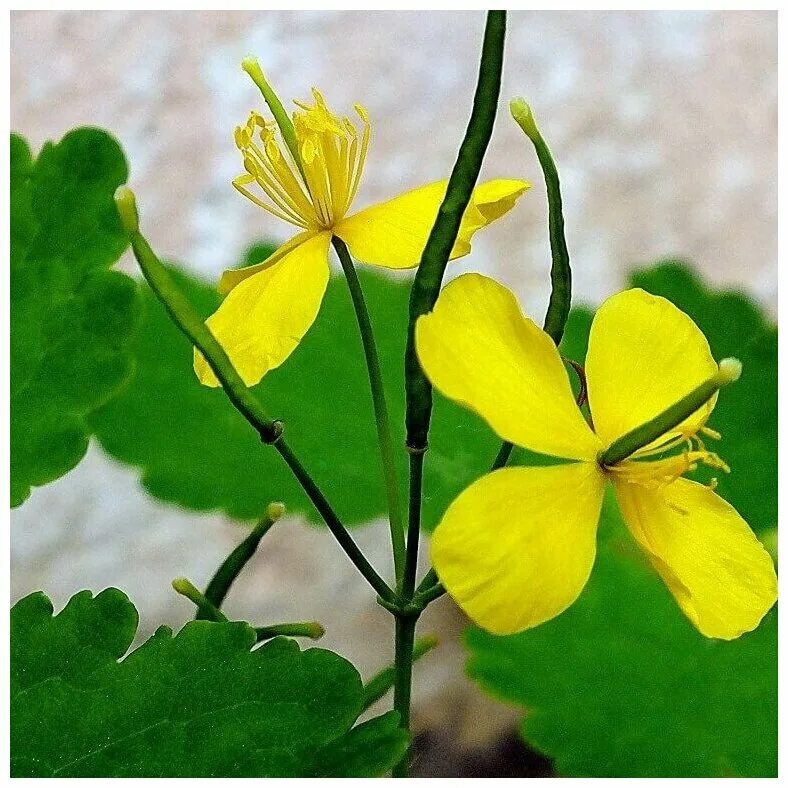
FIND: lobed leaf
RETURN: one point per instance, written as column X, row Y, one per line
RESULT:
column 200, row 703
column 71, row 318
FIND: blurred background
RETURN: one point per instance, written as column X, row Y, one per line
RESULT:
column 664, row 129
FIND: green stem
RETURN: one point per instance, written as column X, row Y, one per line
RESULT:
column 190, row 323
column 423, row 295
column 423, row 598
column 334, row 524
column 429, row 580
column 560, row 270
column 729, row 371
column 184, row 316
column 298, row 629
column 232, row 565
column 414, row 523
column 382, row 682
column 385, row 441
column 443, row 235
column 404, row 633
column 252, row 68
column 206, row 610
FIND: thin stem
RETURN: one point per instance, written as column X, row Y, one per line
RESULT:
column 560, row 269
column 190, row 323
column 404, row 633
column 382, row 682
column 414, row 523
column 429, row 580
column 231, row 567
column 333, row 522
column 385, row 441
column 423, row 295
column 298, row 629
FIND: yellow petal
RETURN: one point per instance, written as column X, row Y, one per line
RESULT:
column 721, row 576
column 235, row 276
column 393, row 234
column 516, row 548
column 477, row 348
column 264, row 317
column 644, row 354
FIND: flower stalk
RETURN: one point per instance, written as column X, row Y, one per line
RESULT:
column 382, row 424
column 382, row 682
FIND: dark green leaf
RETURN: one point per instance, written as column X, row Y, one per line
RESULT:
column 195, row 450
column 622, row 684
column 71, row 318
column 200, row 703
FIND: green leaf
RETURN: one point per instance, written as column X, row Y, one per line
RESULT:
column 201, row 703
column 195, row 450
column 71, row 318
column 621, row 684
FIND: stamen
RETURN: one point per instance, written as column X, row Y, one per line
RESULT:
column 331, row 155
column 240, row 184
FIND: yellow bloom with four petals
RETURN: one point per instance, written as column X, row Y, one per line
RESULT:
column 516, row 547
column 270, row 306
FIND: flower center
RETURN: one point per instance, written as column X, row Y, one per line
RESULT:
column 316, row 195
column 647, row 468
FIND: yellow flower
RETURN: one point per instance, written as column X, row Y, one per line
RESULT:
column 516, row 548
column 271, row 305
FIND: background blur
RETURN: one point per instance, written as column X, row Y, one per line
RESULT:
column 664, row 129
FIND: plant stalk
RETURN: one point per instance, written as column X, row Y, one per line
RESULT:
column 231, row 567
column 190, row 323
column 382, row 423
column 404, row 635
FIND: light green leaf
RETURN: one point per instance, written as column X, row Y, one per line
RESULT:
column 201, row 703
column 195, row 450
column 621, row 685
column 71, row 318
